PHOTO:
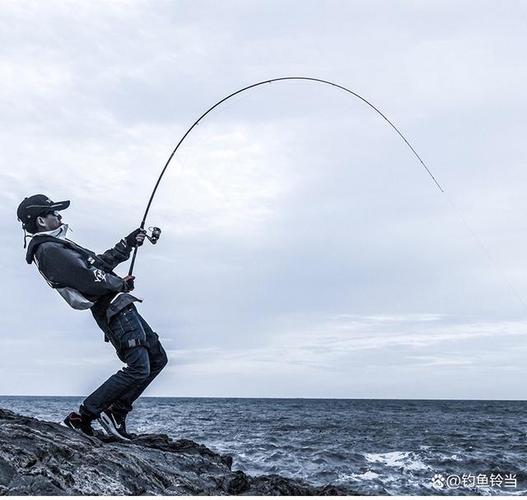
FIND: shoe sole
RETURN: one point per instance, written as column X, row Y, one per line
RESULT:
column 108, row 426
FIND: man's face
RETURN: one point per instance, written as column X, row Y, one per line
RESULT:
column 50, row 221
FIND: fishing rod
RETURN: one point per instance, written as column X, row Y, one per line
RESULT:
column 156, row 231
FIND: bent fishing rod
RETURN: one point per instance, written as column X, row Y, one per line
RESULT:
column 156, row 231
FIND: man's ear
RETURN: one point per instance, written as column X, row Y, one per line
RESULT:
column 40, row 221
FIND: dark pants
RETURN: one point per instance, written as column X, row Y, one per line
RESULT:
column 144, row 362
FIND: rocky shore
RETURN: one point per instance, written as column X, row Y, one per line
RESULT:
column 44, row 458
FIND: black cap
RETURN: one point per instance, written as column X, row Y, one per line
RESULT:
column 34, row 206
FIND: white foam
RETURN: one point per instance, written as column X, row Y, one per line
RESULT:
column 368, row 475
column 404, row 459
column 364, row 476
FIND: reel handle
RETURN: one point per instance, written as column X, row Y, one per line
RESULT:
column 155, row 234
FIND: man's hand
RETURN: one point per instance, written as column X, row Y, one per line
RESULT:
column 136, row 238
column 128, row 284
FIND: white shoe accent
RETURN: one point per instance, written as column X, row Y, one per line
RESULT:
column 110, row 426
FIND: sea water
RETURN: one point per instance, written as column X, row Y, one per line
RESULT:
column 402, row 447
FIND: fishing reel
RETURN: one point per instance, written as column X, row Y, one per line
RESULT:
column 154, row 235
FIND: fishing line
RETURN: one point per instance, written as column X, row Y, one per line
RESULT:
column 485, row 250
column 478, row 240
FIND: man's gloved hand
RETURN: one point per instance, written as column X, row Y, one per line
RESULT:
column 136, row 238
column 128, row 283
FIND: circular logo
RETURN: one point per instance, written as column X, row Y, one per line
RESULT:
column 438, row 481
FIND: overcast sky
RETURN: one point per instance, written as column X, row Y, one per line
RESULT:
column 305, row 252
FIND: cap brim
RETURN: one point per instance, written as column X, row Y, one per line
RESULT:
column 60, row 205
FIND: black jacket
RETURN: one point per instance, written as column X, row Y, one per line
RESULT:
column 65, row 264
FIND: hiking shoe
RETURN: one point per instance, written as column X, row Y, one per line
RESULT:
column 120, row 419
column 76, row 421
column 114, row 425
column 122, row 430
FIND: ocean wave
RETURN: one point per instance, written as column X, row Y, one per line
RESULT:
column 401, row 459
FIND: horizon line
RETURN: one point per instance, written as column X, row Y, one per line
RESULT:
column 270, row 397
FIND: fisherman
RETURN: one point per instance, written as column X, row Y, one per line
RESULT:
column 86, row 280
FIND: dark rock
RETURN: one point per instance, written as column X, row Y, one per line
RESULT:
column 44, row 458
column 238, row 484
column 6, row 472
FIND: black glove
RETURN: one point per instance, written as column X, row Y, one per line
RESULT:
column 128, row 283
column 131, row 238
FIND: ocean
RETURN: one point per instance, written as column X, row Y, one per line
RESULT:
column 382, row 447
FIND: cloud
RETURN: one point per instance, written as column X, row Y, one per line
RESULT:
column 300, row 237
column 309, row 343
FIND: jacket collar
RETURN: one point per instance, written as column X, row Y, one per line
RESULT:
column 38, row 238
column 60, row 232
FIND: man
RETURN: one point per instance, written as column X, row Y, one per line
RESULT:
column 86, row 280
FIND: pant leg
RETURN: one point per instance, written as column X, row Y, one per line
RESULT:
column 123, row 327
column 158, row 360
